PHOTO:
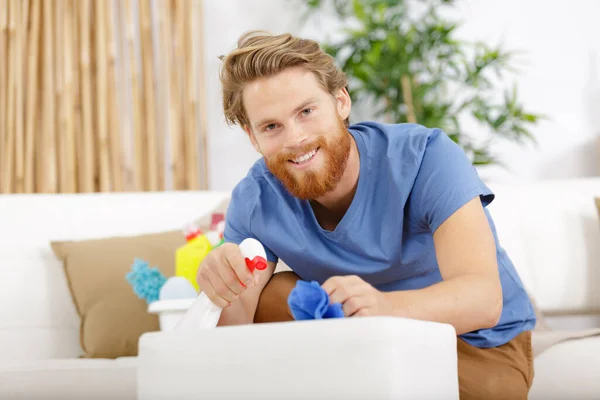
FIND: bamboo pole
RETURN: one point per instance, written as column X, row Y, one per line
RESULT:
column 69, row 173
column 86, row 151
column 113, row 111
column 8, row 157
column 177, row 155
column 95, row 157
column 125, row 102
column 77, row 95
column 32, row 103
column 165, row 35
column 201, row 93
column 21, row 43
column 161, row 93
column 102, row 96
column 47, row 180
column 138, row 128
column 61, row 113
column 191, row 143
column 39, row 111
column 3, row 84
column 149, row 109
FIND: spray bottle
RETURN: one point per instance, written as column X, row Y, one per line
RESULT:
column 203, row 313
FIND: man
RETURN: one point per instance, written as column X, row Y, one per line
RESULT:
column 389, row 219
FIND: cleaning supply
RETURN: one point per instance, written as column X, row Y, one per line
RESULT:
column 203, row 313
column 308, row 300
column 189, row 256
column 177, row 287
column 146, row 282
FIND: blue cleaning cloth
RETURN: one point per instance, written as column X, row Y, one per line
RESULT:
column 308, row 300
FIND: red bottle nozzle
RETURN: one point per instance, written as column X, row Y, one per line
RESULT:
column 257, row 262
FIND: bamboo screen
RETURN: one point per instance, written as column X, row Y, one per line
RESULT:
column 101, row 95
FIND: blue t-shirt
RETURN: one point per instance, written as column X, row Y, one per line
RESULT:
column 411, row 180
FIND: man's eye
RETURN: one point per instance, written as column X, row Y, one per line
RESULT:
column 270, row 127
column 307, row 111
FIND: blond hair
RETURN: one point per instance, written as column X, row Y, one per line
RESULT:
column 260, row 54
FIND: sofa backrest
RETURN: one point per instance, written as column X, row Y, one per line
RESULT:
column 551, row 230
column 37, row 317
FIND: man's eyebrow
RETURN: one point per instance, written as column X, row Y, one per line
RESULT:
column 304, row 104
column 296, row 110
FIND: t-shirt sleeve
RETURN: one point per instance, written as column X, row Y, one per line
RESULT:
column 446, row 181
column 239, row 215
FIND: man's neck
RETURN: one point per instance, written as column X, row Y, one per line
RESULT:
column 337, row 202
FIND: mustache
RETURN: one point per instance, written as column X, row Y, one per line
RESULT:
column 305, row 148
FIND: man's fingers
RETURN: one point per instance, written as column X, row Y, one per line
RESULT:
column 341, row 288
column 220, row 288
column 214, row 297
column 362, row 312
column 237, row 263
column 353, row 305
column 230, row 279
column 331, row 284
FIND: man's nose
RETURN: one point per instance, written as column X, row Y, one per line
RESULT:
column 295, row 136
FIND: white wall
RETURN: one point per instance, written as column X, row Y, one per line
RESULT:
column 561, row 78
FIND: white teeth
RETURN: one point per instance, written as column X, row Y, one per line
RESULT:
column 305, row 157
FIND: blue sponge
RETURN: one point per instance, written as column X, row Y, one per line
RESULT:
column 308, row 300
column 146, row 281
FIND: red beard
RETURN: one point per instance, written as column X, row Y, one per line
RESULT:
column 310, row 185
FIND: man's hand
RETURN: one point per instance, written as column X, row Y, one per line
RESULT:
column 224, row 276
column 227, row 281
column 358, row 298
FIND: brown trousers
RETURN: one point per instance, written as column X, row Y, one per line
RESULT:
column 504, row 372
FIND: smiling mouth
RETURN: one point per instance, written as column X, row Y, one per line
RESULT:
column 306, row 157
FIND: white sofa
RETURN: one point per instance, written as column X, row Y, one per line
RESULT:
column 550, row 229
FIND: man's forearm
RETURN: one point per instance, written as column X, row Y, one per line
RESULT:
column 237, row 313
column 468, row 302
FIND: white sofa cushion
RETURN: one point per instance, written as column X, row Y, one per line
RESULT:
column 568, row 370
column 348, row 358
column 66, row 379
column 551, row 230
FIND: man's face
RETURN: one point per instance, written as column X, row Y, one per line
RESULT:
column 298, row 127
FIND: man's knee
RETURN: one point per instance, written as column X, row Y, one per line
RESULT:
column 272, row 304
column 493, row 386
column 498, row 373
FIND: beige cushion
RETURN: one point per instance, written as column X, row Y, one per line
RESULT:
column 70, row 379
column 112, row 316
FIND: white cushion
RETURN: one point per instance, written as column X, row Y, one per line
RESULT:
column 568, row 370
column 40, row 321
column 349, row 358
column 551, row 229
column 62, row 379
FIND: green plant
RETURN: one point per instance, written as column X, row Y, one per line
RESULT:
column 405, row 57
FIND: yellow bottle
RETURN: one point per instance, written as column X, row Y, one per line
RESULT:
column 189, row 256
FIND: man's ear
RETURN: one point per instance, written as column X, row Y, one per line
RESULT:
column 343, row 103
column 252, row 138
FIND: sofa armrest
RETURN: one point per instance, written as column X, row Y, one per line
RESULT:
column 349, row 358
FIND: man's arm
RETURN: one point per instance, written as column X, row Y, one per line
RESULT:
column 242, row 311
column 470, row 295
